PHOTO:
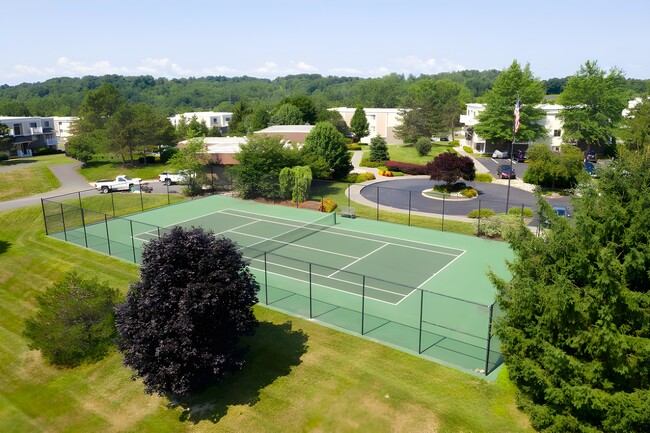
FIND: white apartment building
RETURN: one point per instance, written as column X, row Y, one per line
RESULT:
column 211, row 119
column 381, row 121
column 63, row 129
column 31, row 133
column 550, row 121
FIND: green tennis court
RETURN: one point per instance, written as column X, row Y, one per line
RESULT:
column 416, row 289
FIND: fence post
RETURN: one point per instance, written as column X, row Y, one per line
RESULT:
column 478, row 226
column 79, row 194
column 421, row 308
column 266, row 282
column 141, row 201
column 113, row 204
column 410, row 207
column 83, row 223
column 489, row 340
column 44, row 217
column 168, row 199
column 377, row 204
column 349, row 192
column 108, row 238
column 363, row 302
column 132, row 241
column 522, row 212
column 65, row 233
column 311, row 315
column 443, row 212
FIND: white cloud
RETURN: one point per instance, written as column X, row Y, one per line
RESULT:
column 345, row 71
column 76, row 67
column 304, row 67
column 218, row 70
column 268, row 68
column 416, row 65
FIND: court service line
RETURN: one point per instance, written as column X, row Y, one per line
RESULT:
column 288, row 243
column 333, row 278
column 440, row 270
column 357, row 260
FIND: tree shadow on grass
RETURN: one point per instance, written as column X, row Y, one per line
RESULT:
column 4, row 246
column 16, row 162
column 274, row 350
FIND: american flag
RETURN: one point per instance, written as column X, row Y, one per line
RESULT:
column 517, row 114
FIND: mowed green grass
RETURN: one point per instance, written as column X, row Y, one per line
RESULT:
column 29, row 176
column 408, row 153
column 300, row 376
column 97, row 170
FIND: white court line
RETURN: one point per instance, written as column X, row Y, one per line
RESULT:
column 289, row 243
column 440, row 270
column 360, row 258
column 325, row 276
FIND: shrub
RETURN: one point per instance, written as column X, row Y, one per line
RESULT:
column 484, row 177
column 469, row 193
column 468, row 149
column 359, row 177
column 378, row 149
column 454, row 143
column 150, row 159
column 498, row 226
column 4, row 157
column 47, row 151
column 327, row 205
column 485, row 213
column 366, row 162
column 368, row 176
column 406, row 167
column 423, row 146
column 517, row 211
column 386, row 173
column 353, row 146
column 166, row 154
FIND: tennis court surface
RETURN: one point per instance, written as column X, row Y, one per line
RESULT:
column 420, row 290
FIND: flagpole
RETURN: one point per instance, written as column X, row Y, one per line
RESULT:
column 512, row 148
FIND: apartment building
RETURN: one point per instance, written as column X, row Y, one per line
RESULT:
column 30, row 134
column 381, row 121
column 550, row 121
column 211, row 119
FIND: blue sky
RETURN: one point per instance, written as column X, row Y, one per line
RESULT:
column 45, row 39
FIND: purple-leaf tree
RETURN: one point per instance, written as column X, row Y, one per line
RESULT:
column 181, row 323
column 450, row 167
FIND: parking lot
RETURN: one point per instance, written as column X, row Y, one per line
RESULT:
column 492, row 164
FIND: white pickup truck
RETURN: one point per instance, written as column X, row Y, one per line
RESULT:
column 121, row 183
column 169, row 178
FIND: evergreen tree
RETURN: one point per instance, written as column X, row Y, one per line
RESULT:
column 359, row 124
column 326, row 142
column 378, row 149
column 575, row 322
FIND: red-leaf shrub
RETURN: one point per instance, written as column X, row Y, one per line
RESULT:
column 406, row 167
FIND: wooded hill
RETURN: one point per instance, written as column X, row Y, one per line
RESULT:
column 63, row 96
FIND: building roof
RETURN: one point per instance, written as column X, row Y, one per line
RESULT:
column 224, row 144
column 286, row 129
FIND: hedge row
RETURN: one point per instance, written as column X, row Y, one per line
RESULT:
column 405, row 167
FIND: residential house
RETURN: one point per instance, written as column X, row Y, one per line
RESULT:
column 381, row 121
column 30, row 134
column 211, row 119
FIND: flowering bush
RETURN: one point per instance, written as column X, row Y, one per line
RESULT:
column 327, row 205
column 406, row 167
column 386, row 173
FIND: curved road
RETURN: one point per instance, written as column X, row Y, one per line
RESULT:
column 402, row 193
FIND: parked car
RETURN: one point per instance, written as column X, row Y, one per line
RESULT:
column 590, row 168
column 505, row 172
column 500, row 154
column 520, row 156
column 591, row 157
column 562, row 211
column 121, row 183
column 169, row 178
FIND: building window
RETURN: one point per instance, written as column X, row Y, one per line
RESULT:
column 32, row 125
column 46, row 123
column 17, row 129
column 557, row 133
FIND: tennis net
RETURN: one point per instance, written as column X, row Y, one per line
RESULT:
column 294, row 235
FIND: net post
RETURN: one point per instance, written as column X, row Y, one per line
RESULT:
column 420, row 333
column 158, row 228
column 65, row 233
column 266, row 282
column 44, row 217
column 113, row 204
column 83, row 223
column 108, row 238
column 489, row 340
column 132, row 240
column 363, row 304
column 334, row 213
column 311, row 314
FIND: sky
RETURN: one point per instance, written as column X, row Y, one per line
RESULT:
column 360, row 38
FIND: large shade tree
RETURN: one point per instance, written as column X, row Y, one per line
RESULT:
column 450, row 167
column 496, row 123
column 181, row 323
column 593, row 101
column 575, row 327
column 326, row 142
column 432, row 107
column 636, row 126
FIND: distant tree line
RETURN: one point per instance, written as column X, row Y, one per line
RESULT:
column 64, row 96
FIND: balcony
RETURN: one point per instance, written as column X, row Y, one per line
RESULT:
column 52, row 141
column 36, row 130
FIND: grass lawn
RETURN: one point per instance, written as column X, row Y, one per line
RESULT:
column 300, row 376
column 96, row 170
column 30, row 176
column 407, row 153
column 336, row 191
